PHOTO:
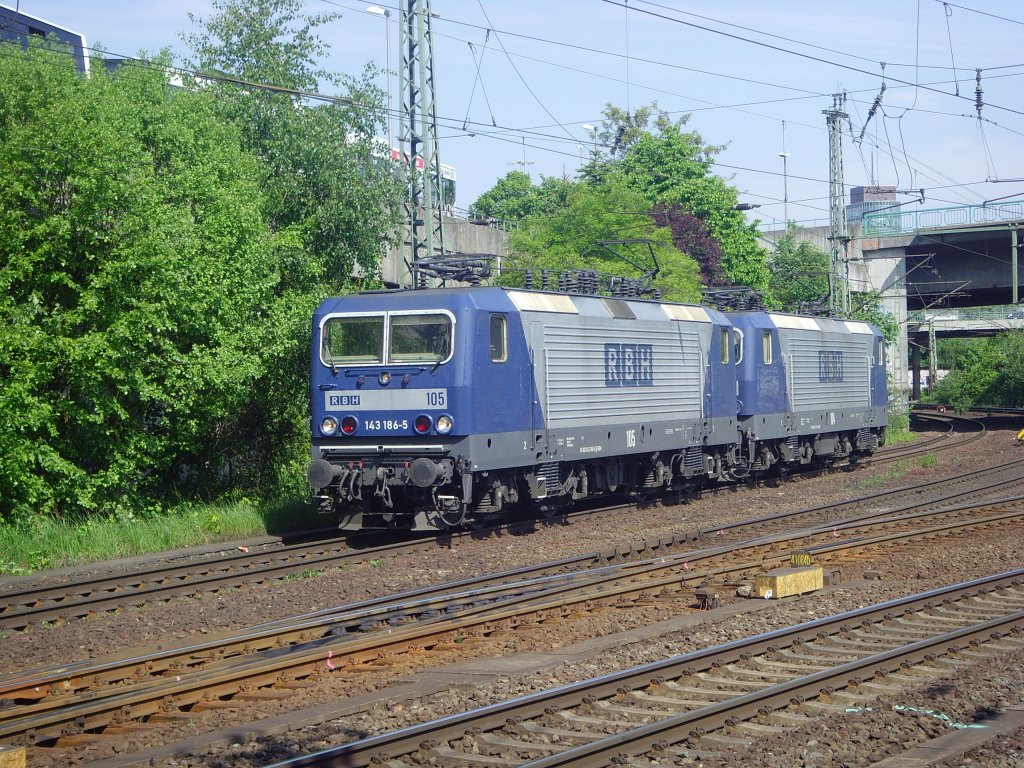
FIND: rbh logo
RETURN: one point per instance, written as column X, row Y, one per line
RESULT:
column 334, row 401
column 628, row 365
column 830, row 365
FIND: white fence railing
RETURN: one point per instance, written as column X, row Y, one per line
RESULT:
column 904, row 222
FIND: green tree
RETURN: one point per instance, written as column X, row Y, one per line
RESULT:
column 1008, row 388
column 671, row 167
column 799, row 275
column 982, row 372
column 515, row 197
column 618, row 131
column 868, row 308
column 139, row 287
column 323, row 180
column 570, row 238
column 949, row 351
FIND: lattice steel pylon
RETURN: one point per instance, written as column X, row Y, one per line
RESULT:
column 417, row 135
column 839, row 237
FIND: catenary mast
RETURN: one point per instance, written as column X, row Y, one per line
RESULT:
column 418, row 136
column 839, row 237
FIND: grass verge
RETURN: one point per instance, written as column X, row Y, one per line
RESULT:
column 898, row 430
column 46, row 542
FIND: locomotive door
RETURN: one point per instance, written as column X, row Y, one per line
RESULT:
column 539, row 429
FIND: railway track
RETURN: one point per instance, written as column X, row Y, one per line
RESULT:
column 434, row 600
column 960, row 430
column 82, row 702
column 719, row 698
column 30, row 603
column 945, row 428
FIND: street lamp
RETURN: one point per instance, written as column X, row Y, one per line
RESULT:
column 376, row 10
column 785, row 188
column 524, row 162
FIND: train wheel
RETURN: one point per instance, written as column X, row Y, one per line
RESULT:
column 782, row 473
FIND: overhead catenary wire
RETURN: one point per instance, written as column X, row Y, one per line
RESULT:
column 983, row 13
column 818, row 128
column 573, row 46
column 954, row 185
column 917, row 55
column 344, row 100
column 790, row 52
column 572, row 139
column 477, row 79
column 990, row 169
column 520, row 75
column 509, row 137
column 949, row 35
column 787, row 39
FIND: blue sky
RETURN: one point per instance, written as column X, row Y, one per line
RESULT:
column 548, row 67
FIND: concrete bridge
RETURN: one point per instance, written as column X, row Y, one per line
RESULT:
column 935, row 269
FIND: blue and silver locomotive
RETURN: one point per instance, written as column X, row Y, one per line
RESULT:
column 436, row 408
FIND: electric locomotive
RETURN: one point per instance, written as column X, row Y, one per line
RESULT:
column 810, row 389
column 437, row 408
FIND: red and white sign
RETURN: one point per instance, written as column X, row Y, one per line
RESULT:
column 396, row 154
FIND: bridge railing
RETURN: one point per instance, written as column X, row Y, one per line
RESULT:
column 900, row 222
column 963, row 313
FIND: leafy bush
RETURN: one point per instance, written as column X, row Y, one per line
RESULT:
column 140, row 290
column 987, row 372
column 134, row 263
column 161, row 251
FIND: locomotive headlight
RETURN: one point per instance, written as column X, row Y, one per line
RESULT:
column 329, row 425
column 384, row 378
column 444, row 424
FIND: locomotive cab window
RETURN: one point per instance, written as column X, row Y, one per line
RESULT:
column 723, row 342
column 766, row 348
column 499, row 339
column 386, row 338
column 420, row 338
column 737, row 345
column 353, row 340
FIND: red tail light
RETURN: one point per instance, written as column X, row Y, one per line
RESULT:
column 349, row 425
column 422, row 424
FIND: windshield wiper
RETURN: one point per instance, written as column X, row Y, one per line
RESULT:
column 330, row 361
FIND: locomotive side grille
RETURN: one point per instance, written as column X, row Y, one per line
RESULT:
column 829, row 374
column 583, row 385
column 549, row 472
column 693, row 461
column 793, row 443
column 865, row 439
